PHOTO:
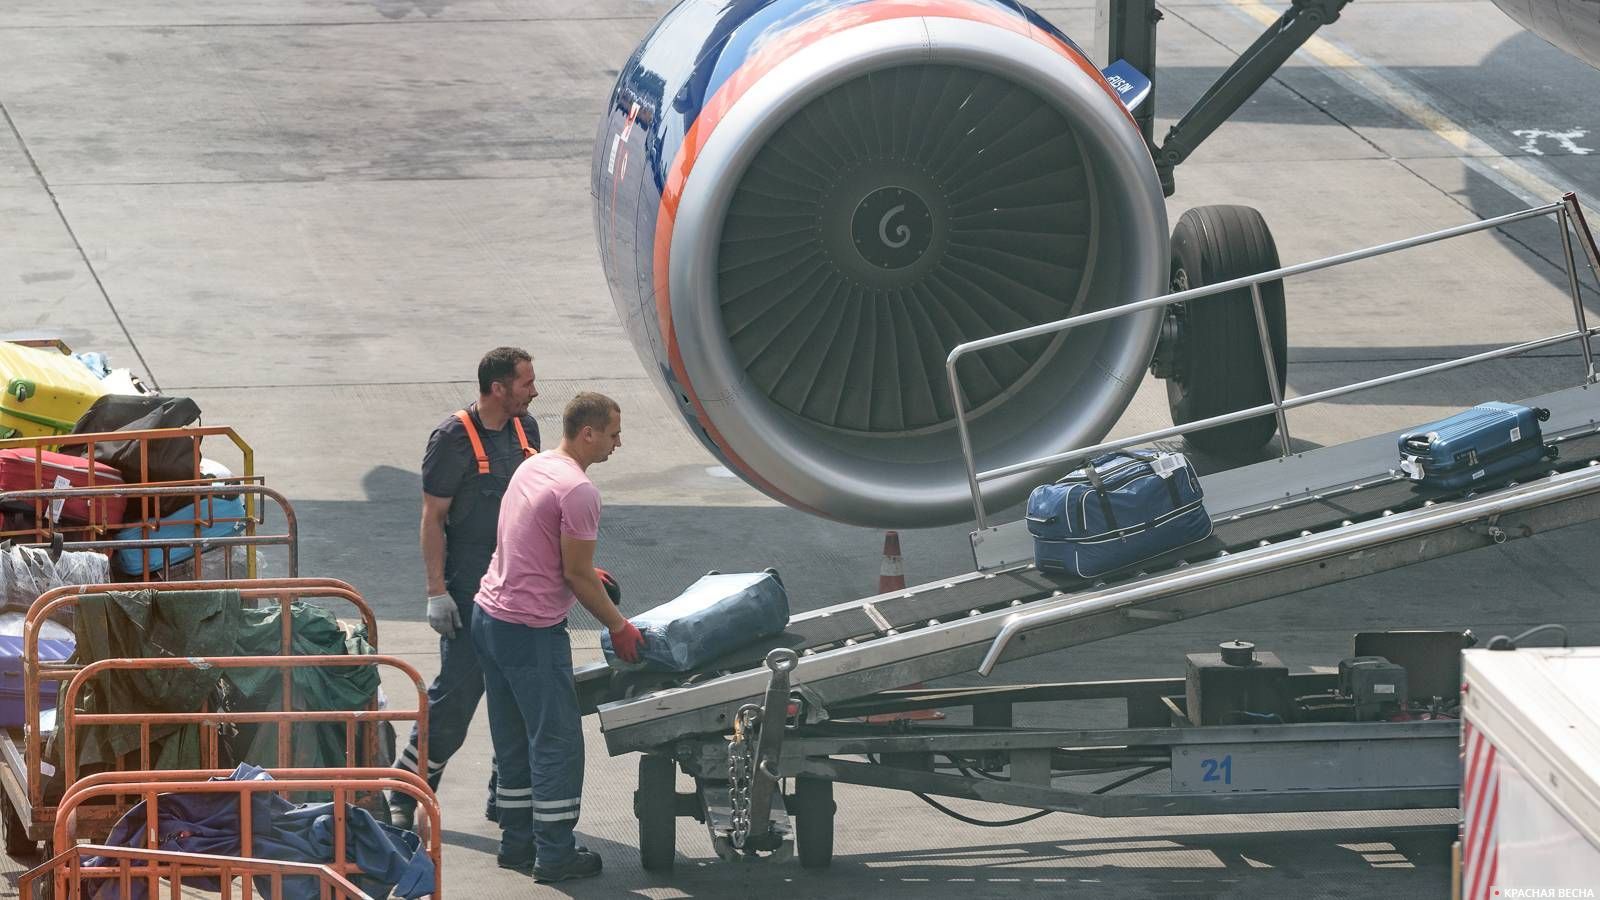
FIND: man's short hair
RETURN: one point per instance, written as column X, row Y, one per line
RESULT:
column 499, row 365
column 588, row 410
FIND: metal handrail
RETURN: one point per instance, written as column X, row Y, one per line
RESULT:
column 1569, row 217
column 1307, row 548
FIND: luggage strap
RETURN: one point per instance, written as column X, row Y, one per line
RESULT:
column 1099, row 489
column 1105, row 500
column 477, row 442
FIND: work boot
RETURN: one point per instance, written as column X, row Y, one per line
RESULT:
column 519, row 859
column 403, row 816
column 584, row 863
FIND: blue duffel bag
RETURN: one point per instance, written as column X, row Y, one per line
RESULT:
column 717, row 615
column 1121, row 509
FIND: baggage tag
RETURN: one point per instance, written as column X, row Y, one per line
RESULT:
column 1166, row 464
column 1516, row 433
column 1413, row 468
column 56, row 504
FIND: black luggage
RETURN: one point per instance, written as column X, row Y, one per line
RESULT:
column 175, row 459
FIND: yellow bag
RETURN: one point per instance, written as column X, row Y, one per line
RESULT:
column 44, row 391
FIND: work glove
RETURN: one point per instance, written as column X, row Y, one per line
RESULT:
column 627, row 641
column 609, row 582
column 443, row 615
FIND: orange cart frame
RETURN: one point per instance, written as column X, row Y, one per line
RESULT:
column 173, row 867
column 144, row 437
column 69, row 720
column 198, row 543
column 22, row 775
column 341, row 783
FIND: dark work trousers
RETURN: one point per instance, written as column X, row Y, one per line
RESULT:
column 452, row 702
column 537, row 732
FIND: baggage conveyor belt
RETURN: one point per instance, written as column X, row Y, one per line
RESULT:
column 1282, row 526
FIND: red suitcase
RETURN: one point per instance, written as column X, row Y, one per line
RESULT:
column 18, row 472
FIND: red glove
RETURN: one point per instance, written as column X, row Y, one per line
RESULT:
column 627, row 641
column 609, row 582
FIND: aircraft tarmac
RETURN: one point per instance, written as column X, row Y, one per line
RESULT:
column 314, row 217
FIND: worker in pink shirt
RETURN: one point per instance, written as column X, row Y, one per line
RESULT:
column 544, row 563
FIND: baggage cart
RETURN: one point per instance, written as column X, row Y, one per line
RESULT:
column 156, row 865
column 71, row 723
column 26, row 813
column 175, row 548
column 343, row 784
column 33, row 529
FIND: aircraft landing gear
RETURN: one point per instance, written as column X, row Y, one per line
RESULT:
column 1210, row 349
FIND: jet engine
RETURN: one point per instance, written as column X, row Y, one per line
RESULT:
column 803, row 205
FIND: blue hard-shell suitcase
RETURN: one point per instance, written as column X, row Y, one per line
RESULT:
column 1476, row 447
column 219, row 516
column 1121, row 509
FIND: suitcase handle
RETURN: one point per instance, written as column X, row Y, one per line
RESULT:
column 1047, row 520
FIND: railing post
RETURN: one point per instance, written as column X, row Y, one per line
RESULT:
column 1271, row 361
column 966, row 438
column 1564, row 222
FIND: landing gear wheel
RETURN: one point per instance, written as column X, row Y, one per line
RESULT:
column 18, row 844
column 813, row 809
column 655, row 804
column 1210, row 354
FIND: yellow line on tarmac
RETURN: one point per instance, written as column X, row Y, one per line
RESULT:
column 1527, row 184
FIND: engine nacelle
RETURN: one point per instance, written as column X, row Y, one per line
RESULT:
column 802, row 206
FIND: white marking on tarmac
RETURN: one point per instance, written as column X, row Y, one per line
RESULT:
column 1567, row 140
column 1529, row 181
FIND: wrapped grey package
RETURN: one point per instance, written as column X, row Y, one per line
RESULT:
column 717, row 615
column 27, row 572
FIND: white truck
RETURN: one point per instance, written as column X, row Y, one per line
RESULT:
column 1530, row 789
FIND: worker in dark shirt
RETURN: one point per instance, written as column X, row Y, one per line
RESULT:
column 465, row 470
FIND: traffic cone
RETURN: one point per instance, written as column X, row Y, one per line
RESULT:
column 892, row 574
column 892, row 577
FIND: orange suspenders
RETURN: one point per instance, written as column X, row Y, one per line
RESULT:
column 477, row 443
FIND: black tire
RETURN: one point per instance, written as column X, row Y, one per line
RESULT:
column 655, row 804
column 1217, row 367
column 813, row 810
column 18, row 844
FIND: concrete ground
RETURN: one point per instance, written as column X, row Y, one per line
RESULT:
column 314, row 217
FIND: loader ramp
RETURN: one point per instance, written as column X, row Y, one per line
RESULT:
column 1278, row 532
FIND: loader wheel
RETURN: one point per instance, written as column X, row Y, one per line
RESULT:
column 1211, row 354
column 18, row 844
column 655, row 805
column 813, row 810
